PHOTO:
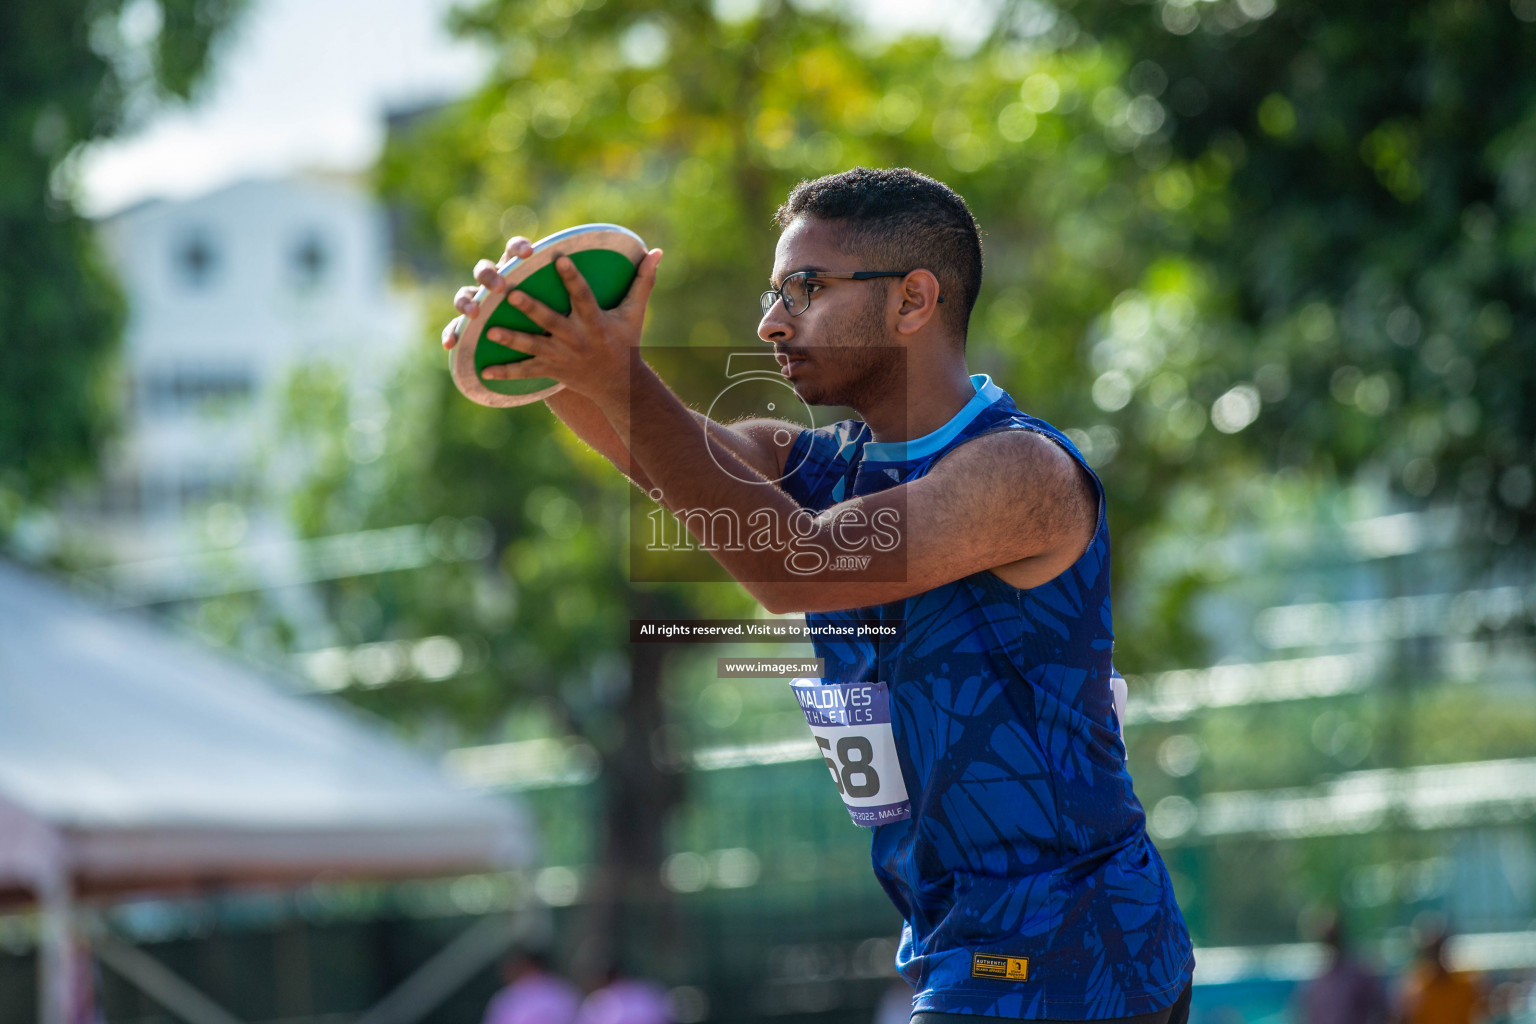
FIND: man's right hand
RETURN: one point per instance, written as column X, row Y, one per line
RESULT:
column 490, row 278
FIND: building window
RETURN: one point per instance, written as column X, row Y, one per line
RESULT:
column 309, row 259
column 195, row 259
column 193, row 387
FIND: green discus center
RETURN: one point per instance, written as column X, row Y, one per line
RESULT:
column 608, row 274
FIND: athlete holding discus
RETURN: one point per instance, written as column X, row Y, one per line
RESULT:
column 978, row 736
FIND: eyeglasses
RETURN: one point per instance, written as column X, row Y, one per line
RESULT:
column 795, row 292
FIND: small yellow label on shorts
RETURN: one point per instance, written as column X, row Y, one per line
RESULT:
column 1003, row 968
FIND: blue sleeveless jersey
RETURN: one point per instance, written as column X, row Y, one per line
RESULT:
column 1024, row 840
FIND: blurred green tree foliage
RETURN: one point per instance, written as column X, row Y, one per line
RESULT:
column 71, row 72
column 1373, row 249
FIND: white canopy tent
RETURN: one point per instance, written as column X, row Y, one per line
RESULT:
column 132, row 760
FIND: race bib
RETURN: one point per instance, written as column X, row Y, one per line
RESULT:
column 852, row 726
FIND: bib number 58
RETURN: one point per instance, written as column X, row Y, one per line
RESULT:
column 852, row 726
column 856, row 775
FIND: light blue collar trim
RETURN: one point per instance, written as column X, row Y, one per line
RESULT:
column 928, row 444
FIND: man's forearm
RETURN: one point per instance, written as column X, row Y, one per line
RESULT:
column 693, row 473
column 606, row 431
column 675, row 452
column 589, row 423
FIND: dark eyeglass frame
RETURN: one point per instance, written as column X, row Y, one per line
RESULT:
column 772, row 295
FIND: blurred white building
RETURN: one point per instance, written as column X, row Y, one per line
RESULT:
column 228, row 295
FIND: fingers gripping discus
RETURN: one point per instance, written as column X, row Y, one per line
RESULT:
column 607, row 255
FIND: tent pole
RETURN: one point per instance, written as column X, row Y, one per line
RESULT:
column 56, row 960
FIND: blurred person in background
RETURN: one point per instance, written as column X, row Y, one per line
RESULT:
column 534, row 993
column 626, row 1000
column 1347, row 992
column 1435, row 994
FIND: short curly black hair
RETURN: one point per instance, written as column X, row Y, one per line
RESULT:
column 897, row 216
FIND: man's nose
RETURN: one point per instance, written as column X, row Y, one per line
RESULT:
column 775, row 324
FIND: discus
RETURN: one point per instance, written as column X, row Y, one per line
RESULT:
column 607, row 255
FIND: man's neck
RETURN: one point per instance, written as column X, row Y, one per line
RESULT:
column 933, row 396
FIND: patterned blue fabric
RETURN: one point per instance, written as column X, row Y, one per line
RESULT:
column 1025, row 837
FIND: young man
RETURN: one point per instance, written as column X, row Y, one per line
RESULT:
column 975, row 729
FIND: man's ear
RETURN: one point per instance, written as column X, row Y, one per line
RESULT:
column 918, row 295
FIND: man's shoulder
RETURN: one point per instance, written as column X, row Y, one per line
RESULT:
column 1021, row 481
column 1009, row 419
column 1012, row 455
